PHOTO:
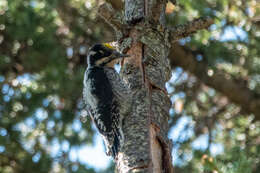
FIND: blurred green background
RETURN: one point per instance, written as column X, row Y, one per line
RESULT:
column 43, row 126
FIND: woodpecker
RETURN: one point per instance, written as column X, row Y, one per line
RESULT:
column 105, row 95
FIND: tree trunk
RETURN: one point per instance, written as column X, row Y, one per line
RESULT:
column 142, row 35
column 146, row 147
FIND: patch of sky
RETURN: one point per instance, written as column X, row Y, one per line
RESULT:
column 69, row 52
column 25, row 79
column 23, row 128
column 183, row 41
column 250, row 11
column 28, row 144
column 36, row 157
column 50, row 124
column 30, row 122
column 233, row 33
column 76, row 125
column 37, row 4
column 65, row 145
column 10, row 92
column 54, row 148
column 45, row 102
column 41, row 114
column 94, row 155
column 177, row 96
column 213, row 27
column 33, row 4
column 176, row 74
column 3, row 132
column 7, row 92
column 176, row 77
column 199, row 57
column 43, row 139
column 117, row 67
column 176, row 133
column 175, row 155
column 74, row 167
column 28, row 95
column 216, row 148
column 82, row 50
column 171, row 111
column 5, row 88
column 57, row 114
column 6, row 98
column 223, row 22
column 182, row 131
column 180, row 161
column 201, row 143
column 73, row 154
column 2, row 148
column 169, row 88
column 2, row 78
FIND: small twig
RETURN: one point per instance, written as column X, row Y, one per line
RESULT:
column 182, row 31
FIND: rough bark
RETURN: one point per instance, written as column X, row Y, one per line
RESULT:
column 182, row 31
column 146, row 147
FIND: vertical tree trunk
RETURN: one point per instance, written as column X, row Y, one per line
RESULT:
column 142, row 35
column 146, row 147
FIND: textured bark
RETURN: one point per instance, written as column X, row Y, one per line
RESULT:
column 182, row 31
column 146, row 147
column 134, row 11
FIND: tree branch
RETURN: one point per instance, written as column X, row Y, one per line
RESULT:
column 116, row 4
column 112, row 17
column 219, row 80
column 182, row 31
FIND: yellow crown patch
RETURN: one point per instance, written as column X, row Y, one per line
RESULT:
column 108, row 45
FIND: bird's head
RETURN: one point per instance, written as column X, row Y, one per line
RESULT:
column 103, row 54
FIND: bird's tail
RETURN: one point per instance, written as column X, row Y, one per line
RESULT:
column 115, row 147
column 115, row 141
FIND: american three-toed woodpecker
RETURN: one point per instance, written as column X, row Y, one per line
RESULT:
column 105, row 95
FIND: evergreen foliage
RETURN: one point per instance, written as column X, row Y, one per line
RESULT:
column 43, row 46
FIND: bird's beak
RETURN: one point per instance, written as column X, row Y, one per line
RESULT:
column 115, row 54
column 112, row 59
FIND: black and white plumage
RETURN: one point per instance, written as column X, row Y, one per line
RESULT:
column 105, row 96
